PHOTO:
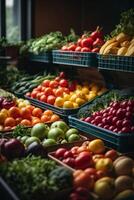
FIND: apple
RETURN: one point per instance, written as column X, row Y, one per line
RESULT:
column 40, row 130
column 60, row 124
column 31, row 140
column 83, row 160
column 13, row 148
column 48, row 142
column 71, row 131
column 69, row 161
column 73, row 137
column 68, row 154
column 56, row 133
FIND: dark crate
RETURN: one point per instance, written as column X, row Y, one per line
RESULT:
column 60, row 111
column 122, row 142
column 84, row 59
column 116, row 63
column 45, row 57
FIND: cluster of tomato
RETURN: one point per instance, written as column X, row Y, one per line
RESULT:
column 87, row 43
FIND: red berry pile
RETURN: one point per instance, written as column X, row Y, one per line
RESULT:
column 117, row 117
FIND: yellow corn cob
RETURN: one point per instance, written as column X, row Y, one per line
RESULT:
column 130, row 51
column 122, row 51
column 106, row 44
column 126, row 43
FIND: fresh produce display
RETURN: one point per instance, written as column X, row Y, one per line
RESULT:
column 100, row 170
column 15, row 111
column 48, row 42
column 113, row 111
column 63, row 93
column 122, row 38
column 27, row 83
column 58, row 133
column 88, row 42
column 36, row 178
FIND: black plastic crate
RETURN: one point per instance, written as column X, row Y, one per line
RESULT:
column 65, row 112
column 45, row 57
column 122, row 142
column 114, row 62
column 85, row 59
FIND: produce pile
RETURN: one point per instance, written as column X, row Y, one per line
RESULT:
column 121, row 40
column 56, row 133
column 48, row 42
column 113, row 111
column 88, row 42
column 63, row 93
column 15, row 111
column 36, row 178
column 100, row 170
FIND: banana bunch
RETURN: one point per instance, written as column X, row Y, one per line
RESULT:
column 121, row 45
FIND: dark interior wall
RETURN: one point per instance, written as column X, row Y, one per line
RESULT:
column 82, row 15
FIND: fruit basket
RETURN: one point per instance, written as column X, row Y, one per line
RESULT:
column 84, row 59
column 45, row 57
column 114, row 62
column 121, row 142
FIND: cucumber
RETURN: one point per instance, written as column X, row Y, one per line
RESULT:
column 25, row 91
column 33, row 86
column 26, row 78
column 20, row 90
column 28, row 85
column 23, row 83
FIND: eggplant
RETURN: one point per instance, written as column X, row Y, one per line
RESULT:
column 36, row 149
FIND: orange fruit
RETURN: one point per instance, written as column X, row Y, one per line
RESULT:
column 25, row 122
column 25, row 113
column 59, row 92
column 14, row 112
column 18, row 120
column 30, row 107
column 9, row 121
column 45, row 118
column 5, row 111
column 48, row 112
column 54, row 118
column 36, row 121
column 37, row 112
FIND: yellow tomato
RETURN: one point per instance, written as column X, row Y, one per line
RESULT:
column 68, row 104
column 59, row 102
column 80, row 101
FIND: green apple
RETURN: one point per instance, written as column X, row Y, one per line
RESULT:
column 24, row 138
column 73, row 137
column 60, row 124
column 32, row 139
column 40, row 130
column 48, row 142
column 64, row 141
column 71, row 131
column 56, row 133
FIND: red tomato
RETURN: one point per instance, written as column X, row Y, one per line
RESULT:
column 43, row 98
column 78, row 48
column 63, row 83
column 53, row 84
column 82, row 161
column 34, row 94
column 59, row 92
column 100, row 174
column 60, row 152
column 38, row 96
column 51, row 99
column 48, row 91
column 95, row 50
column 39, row 88
column 79, row 42
column 57, row 79
column 85, row 49
column 87, row 42
column 66, row 90
column 46, row 83
column 62, row 75
column 74, row 149
column 96, row 34
column 64, row 48
column 72, row 47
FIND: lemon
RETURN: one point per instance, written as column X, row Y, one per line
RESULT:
column 68, row 104
column 85, row 90
column 75, row 105
column 80, row 101
column 59, row 102
column 73, row 97
column 66, row 97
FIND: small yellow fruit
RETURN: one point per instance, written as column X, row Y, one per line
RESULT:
column 79, row 87
column 26, row 102
column 80, row 101
column 2, row 117
column 59, row 102
column 66, row 97
column 75, row 105
column 85, row 90
column 96, row 146
column 73, row 97
column 68, row 104
column 21, row 104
